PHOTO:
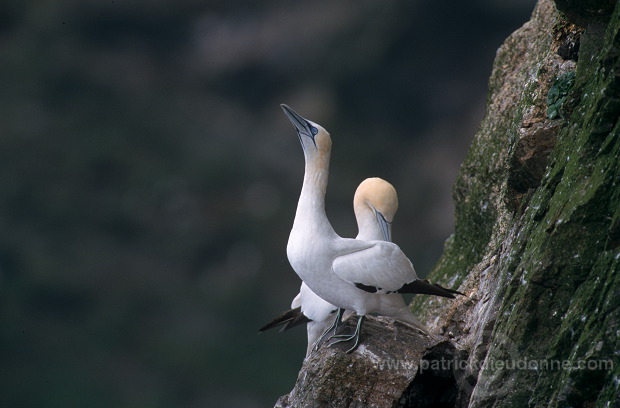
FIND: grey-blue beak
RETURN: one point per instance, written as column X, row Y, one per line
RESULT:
column 385, row 225
column 302, row 125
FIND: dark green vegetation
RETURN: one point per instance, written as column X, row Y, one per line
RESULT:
column 558, row 93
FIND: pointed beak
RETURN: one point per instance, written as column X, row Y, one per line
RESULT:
column 385, row 225
column 302, row 125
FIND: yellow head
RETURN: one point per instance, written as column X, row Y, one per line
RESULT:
column 375, row 203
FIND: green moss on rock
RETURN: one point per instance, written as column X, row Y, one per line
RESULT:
column 539, row 250
column 558, row 93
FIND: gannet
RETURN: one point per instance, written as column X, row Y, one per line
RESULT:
column 345, row 272
column 375, row 203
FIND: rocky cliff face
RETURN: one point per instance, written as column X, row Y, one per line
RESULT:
column 536, row 246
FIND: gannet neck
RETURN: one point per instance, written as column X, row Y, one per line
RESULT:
column 316, row 142
column 367, row 224
column 311, row 205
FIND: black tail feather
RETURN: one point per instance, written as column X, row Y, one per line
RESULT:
column 424, row 287
column 288, row 320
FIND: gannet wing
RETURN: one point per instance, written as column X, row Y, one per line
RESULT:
column 380, row 267
column 423, row 286
column 384, row 268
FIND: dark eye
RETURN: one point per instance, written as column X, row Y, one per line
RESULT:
column 314, row 130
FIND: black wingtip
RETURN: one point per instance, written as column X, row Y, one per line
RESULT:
column 288, row 320
column 424, row 287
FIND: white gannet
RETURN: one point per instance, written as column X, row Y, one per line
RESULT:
column 375, row 204
column 347, row 273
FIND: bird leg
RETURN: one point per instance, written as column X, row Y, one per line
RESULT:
column 333, row 327
column 355, row 336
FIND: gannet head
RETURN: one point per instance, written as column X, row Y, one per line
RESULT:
column 375, row 203
column 312, row 136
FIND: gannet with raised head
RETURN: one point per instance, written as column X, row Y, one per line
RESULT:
column 348, row 273
column 375, row 203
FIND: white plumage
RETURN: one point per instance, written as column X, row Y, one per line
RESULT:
column 375, row 203
column 352, row 274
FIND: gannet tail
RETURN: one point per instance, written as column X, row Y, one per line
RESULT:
column 424, row 287
column 288, row 320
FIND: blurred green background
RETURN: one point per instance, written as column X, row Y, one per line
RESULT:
column 148, row 178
